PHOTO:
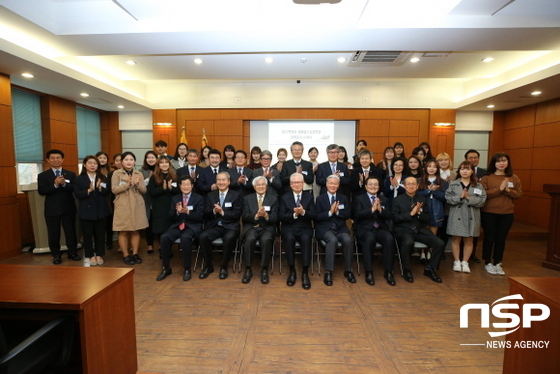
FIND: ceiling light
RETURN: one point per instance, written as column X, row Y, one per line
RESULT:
column 487, row 59
column 120, row 106
column 414, row 59
column 27, row 75
column 198, row 61
column 268, row 60
column 536, row 93
column 84, row 94
column 490, row 106
column 341, row 60
column 130, row 62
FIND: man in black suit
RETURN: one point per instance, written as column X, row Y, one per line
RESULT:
column 187, row 211
column 333, row 209
column 371, row 215
column 297, row 210
column 271, row 175
column 411, row 217
column 361, row 173
column 332, row 167
column 207, row 179
column 260, row 214
column 241, row 176
column 297, row 165
column 191, row 168
column 473, row 156
column 57, row 185
column 222, row 212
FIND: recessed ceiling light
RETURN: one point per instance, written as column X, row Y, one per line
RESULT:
column 414, row 59
column 84, row 94
column 120, row 106
column 536, row 93
column 27, row 75
column 341, row 60
column 487, row 59
column 490, row 106
column 130, row 62
column 268, row 60
column 198, row 61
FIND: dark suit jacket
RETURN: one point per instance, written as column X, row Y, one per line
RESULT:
column 290, row 167
column 186, row 170
column 402, row 206
column 207, row 179
column 233, row 207
column 250, row 208
column 244, row 189
column 324, row 170
column 323, row 222
column 274, row 187
column 194, row 219
column 91, row 206
column 364, row 218
column 355, row 179
column 286, row 212
column 480, row 173
column 58, row 201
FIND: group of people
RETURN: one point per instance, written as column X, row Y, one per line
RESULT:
column 200, row 198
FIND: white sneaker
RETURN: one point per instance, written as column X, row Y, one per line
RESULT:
column 499, row 269
column 457, row 266
column 429, row 255
column 490, row 269
column 465, row 267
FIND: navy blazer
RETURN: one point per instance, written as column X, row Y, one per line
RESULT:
column 286, row 213
column 92, row 206
column 324, row 170
column 58, row 201
column 244, row 189
column 274, row 187
column 402, row 206
column 355, row 179
column 233, row 207
column 364, row 219
column 324, row 222
column 207, row 179
column 290, row 167
column 250, row 208
column 186, row 170
column 194, row 219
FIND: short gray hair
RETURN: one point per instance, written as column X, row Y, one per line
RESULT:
column 225, row 173
column 295, row 175
column 332, row 146
column 260, row 177
column 334, row 176
column 266, row 152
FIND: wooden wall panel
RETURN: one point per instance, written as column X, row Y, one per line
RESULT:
column 400, row 128
column 229, row 127
column 11, row 235
column 374, row 127
column 548, row 112
column 496, row 139
column 442, row 138
column 58, row 120
column 540, row 177
column 25, row 224
column 519, row 138
column 547, row 135
column 113, row 143
column 5, row 90
column 539, row 211
column 7, row 156
column 521, row 158
column 169, row 134
column 520, row 117
column 542, row 158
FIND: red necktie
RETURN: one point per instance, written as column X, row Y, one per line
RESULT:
column 185, row 202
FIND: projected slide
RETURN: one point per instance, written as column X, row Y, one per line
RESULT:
column 311, row 133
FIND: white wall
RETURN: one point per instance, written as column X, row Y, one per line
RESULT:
column 472, row 131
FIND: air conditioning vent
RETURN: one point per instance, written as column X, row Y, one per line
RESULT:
column 379, row 58
column 96, row 100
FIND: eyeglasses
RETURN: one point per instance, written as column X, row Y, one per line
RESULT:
column 266, row 158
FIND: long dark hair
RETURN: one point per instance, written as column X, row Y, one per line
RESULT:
column 341, row 148
column 467, row 164
column 420, row 169
column 405, row 166
column 176, row 157
column 147, row 166
column 231, row 148
column 159, row 176
column 106, row 166
column 497, row 157
column 252, row 163
column 98, row 173
column 428, row 154
column 403, row 154
column 424, row 182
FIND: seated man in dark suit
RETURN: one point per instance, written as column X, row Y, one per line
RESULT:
column 360, row 173
column 241, row 176
column 57, row 185
column 272, row 175
column 333, row 209
column 222, row 212
column 297, row 165
column 186, row 210
column 192, row 169
column 411, row 217
column 260, row 214
column 207, row 180
column 371, row 216
column 297, row 210
column 332, row 167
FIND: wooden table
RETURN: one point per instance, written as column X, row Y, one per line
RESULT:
column 535, row 360
column 101, row 298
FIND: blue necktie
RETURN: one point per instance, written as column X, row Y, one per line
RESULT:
column 222, row 198
column 57, row 173
column 332, row 200
column 298, row 201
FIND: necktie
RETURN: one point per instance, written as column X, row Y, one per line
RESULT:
column 375, row 224
column 57, row 173
column 372, row 200
column 260, row 202
column 239, row 171
column 333, row 168
column 298, row 201
column 366, row 174
column 265, row 171
column 222, row 198
column 185, row 200
column 192, row 169
column 215, row 172
column 332, row 199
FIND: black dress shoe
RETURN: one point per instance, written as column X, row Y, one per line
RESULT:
column 164, row 273
column 187, row 275
column 305, row 281
column 150, row 251
column 137, row 259
column 443, row 257
column 223, row 273
column 291, row 278
column 206, row 272
column 431, row 273
column 328, row 278
column 369, row 278
column 246, row 277
column 264, row 276
column 408, row 276
column 74, row 257
column 350, row 276
column 57, row 260
column 128, row 260
column 390, row 278
column 475, row 259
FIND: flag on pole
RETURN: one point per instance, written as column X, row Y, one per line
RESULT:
column 183, row 136
column 204, row 140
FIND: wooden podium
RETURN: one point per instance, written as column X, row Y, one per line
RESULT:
column 553, row 249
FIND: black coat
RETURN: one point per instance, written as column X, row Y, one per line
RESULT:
column 323, row 222
column 161, row 198
column 194, row 219
column 233, row 207
column 92, row 206
column 324, row 170
column 58, row 201
column 364, row 219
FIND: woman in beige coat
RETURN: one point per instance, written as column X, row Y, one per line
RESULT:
column 130, row 212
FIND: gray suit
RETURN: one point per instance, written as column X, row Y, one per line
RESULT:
column 259, row 229
column 274, row 183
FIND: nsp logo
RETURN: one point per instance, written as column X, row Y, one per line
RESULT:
column 497, row 311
